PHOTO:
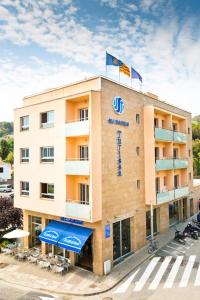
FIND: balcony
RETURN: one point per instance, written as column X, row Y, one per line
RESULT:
column 164, row 164
column 163, row 197
column 77, row 167
column 163, row 134
column 180, row 192
column 77, row 128
column 76, row 210
column 180, row 163
column 180, row 137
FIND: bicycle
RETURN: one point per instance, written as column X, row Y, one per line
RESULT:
column 153, row 245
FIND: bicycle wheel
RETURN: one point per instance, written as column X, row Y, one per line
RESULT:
column 150, row 249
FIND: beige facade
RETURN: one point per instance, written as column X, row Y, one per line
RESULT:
column 152, row 155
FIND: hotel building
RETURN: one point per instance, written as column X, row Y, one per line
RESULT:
column 90, row 159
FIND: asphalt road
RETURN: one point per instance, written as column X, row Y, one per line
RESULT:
column 173, row 273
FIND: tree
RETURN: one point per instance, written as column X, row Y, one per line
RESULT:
column 4, row 149
column 10, row 158
column 10, row 216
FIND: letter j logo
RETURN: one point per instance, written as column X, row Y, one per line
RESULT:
column 118, row 105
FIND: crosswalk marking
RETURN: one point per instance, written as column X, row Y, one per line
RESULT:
column 187, row 271
column 175, row 249
column 123, row 288
column 197, row 280
column 146, row 274
column 181, row 245
column 170, row 280
column 160, row 273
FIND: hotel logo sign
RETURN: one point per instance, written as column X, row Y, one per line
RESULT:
column 118, row 105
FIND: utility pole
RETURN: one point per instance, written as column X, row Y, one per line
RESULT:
column 151, row 214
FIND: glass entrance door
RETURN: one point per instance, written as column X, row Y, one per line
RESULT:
column 121, row 238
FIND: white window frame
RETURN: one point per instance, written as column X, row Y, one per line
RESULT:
column 84, row 194
column 24, row 123
column 83, row 114
column 83, row 152
column 46, row 158
column 50, row 120
column 24, row 190
column 25, row 158
column 46, row 195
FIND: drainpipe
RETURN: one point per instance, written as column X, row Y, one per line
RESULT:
column 151, row 214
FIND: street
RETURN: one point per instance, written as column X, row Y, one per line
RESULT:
column 173, row 273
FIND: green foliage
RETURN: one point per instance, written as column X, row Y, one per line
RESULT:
column 5, row 243
column 195, row 130
column 6, row 128
column 10, row 158
column 196, row 145
column 4, row 149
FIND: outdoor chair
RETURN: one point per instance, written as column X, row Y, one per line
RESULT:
column 58, row 270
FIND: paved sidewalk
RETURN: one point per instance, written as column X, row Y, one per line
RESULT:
column 77, row 281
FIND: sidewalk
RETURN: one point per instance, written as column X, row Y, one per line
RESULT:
column 77, row 282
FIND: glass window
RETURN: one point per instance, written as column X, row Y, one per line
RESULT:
column 47, row 119
column 174, row 126
column 173, row 213
column 84, row 193
column 83, row 152
column 83, row 114
column 157, row 181
column 47, row 190
column 121, row 238
column 155, row 122
column 138, row 150
column 138, row 184
column 24, row 123
column 188, row 130
column 148, row 223
column 1, row 170
column 163, row 123
column 137, row 118
column 24, row 154
column 24, row 188
column 35, row 224
column 175, row 152
column 176, row 181
column 47, row 154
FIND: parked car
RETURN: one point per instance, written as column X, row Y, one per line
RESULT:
column 5, row 188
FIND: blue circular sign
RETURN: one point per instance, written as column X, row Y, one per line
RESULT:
column 118, row 105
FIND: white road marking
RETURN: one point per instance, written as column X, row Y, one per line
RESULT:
column 166, row 251
column 160, row 273
column 175, row 249
column 124, row 286
column 170, row 280
column 146, row 274
column 197, row 280
column 180, row 245
column 188, row 269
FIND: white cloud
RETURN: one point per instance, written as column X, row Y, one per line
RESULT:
column 110, row 3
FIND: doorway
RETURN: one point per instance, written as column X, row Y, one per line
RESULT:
column 121, row 238
column 85, row 258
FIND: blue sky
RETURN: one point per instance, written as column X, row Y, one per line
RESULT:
column 49, row 43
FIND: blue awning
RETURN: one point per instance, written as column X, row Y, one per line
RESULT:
column 52, row 233
column 64, row 235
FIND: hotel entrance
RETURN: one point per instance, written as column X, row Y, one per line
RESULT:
column 121, row 239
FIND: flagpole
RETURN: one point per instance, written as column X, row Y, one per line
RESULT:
column 119, row 74
column 106, row 70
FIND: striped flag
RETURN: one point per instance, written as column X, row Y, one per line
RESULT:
column 125, row 69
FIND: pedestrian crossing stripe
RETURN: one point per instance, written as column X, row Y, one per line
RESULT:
column 155, row 280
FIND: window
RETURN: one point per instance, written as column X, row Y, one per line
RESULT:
column 188, row 130
column 138, row 184
column 1, row 170
column 121, row 239
column 190, row 176
column 24, row 188
column 157, row 181
column 47, row 119
column 163, row 123
column 47, row 190
column 35, row 228
column 47, row 154
column 137, row 118
column 138, row 150
column 164, row 151
column 83, row 114
column 24, row 155
column 176, row 181
column 175, row 152
column 24, row 123
column 156, row 153
column 174, row 126
column 83, row 152
column 84, row 193
column 155, row 122
column 165, row 181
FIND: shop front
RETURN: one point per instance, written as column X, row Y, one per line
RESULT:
column 69, row 240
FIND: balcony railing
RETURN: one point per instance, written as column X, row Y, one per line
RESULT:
column 173, row 194
column 167, row 135
column 77, row 167
column 76, row 209
column 170, row 164
column 77, row 128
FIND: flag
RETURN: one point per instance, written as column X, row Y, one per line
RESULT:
column 113, row 61
column 125, row 69
column 135, row 74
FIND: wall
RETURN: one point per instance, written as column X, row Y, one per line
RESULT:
column 6, row 171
